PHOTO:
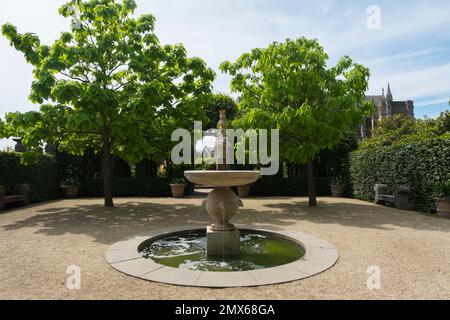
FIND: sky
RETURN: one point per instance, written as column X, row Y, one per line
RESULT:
column 407, row 43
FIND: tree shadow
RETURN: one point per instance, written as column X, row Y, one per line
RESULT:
column 359, row 215
column 137, row 218
column 108, row 225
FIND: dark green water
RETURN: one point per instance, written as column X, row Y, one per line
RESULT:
column 188, row 251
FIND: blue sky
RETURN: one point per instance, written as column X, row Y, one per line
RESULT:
column 411, row 49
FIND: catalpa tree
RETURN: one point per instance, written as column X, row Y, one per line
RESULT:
column 289, row 87
column 107, row 84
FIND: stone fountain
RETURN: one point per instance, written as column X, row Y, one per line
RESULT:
column 222, row 204
column 221, row 257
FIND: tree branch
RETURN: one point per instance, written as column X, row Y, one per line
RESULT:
column 74, row 78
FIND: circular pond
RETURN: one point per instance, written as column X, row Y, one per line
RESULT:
column 188, row 251
column 177, row 256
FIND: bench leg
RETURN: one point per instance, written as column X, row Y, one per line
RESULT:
column 2, row 206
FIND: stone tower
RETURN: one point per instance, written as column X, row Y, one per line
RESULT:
column 386, row 107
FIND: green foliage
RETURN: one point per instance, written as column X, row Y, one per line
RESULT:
column 42, row 176
column 214, row 105
column 178, row 181
column 146, row 168
column 175, row 171
column 107, row 83
column 442, row 123
column 421, row 165
column 3, row 129
column 402, row 130
column 208, row 164
column 337, row 180
column 443, row 190
column 275, row 186
column 69, row 178
column 131, row 187
column 289, row 86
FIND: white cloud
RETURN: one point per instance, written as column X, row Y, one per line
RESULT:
column 223, row 29
column 417, row 84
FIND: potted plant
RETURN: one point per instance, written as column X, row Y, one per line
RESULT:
column 71, row 187
column 443, row 199
column 209, row 164
column 337, row 186
column 178, row 186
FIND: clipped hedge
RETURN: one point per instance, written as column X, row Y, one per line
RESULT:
column 288, row 187
column 421, row 166
column 131, row 187
column 42, row 176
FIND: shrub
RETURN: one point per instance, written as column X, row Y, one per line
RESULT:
column 422, row 166
column 131, row 187
column 442, row 191
column 284, row 187
column 214, row 104
column 42, row 176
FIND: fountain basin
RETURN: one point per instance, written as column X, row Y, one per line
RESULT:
column 222, row 179
column 188, row 251
column 125, row 256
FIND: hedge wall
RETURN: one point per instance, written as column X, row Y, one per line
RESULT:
column 42, row 176
column 421, row 165
column 131, row 187
column 288, row 187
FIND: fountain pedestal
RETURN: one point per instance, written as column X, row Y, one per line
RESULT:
column 223, row 243
column 223, row 238
column 222, row 204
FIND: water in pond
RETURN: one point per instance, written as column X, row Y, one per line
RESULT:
column 188, row 251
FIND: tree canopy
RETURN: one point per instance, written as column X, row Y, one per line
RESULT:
column 401, row 130
column 288, row 86
column 214, row 105
column 107, row 84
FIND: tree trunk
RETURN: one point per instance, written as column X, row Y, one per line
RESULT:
column 311, row 184
column 107, row 167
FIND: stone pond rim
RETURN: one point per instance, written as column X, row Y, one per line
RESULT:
column 320, row 255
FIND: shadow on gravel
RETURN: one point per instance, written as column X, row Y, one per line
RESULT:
column 137, row 218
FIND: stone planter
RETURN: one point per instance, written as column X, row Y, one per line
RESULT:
column 71, row 192
column 337, row 191
column 443, row 207
column 244, row 191
column 178, row 190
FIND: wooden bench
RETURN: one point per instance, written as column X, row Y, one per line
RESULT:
column 400, row 199
column 20, row 193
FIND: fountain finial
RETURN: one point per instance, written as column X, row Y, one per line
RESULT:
column 223, row 122
column 222, row 143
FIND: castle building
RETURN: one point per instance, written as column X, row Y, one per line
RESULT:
column 386, row 107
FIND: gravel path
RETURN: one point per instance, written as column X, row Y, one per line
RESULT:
column 38, row 243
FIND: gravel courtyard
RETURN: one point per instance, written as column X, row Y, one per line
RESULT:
column 38, row 243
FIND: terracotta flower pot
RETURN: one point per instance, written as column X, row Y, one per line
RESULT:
column 337, row 191
column 178, row 190
column 71, row 192
column 244, row 191
column 443, row 207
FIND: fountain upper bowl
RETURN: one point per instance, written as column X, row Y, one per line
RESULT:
column 223, row 178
